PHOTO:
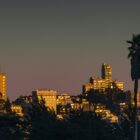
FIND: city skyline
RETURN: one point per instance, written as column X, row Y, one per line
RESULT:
column 57, row 45
column 106, row 71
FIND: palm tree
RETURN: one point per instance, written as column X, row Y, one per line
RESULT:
column 134, row 55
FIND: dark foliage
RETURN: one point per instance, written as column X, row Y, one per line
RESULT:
column 11, row 127
column 78, row 126
column 44, row 125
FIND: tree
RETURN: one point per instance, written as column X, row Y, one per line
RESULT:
column 94, row 97
column 134, row 55
column 8, row 106
column 87, row 125
column 42, row 121
column 12, row 127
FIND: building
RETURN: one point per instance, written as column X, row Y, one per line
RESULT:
column 48, row 96
column 87, row 87
column 63, row 99
column 106, row 73
column 2, row 86
column 86, row 106
column 25, row 102
column 23, row 99
column 98, row 84
column 104, row 82
column 17, row 109
column 119, row 85
column 106, row 114
column 95, row 84
column 63, row 104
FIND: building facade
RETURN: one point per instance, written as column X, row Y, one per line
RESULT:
column 63, row 99
column 48, row 96
column 119, row 85
column 2, row 86
column 98, row 84
column 17, row 109
column 106, row 72
column 103, row 83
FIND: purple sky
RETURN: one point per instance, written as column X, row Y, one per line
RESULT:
column 60, row 44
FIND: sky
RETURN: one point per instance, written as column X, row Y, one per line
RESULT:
column 59, row 44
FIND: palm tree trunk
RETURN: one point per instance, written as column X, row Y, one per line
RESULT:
column 135, row 109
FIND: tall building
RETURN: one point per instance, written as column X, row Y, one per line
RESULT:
column 2, row 86
column 49, row 97
column 106, row 73
column 103, row 83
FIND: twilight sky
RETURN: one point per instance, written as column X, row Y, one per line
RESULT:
column 59, row 44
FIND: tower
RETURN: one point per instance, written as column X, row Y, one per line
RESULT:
column 106, row 73
column 2, row 86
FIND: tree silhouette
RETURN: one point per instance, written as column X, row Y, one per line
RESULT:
column 134, row 55
column 8, row 106
column 12, row 127
column 42, row 120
